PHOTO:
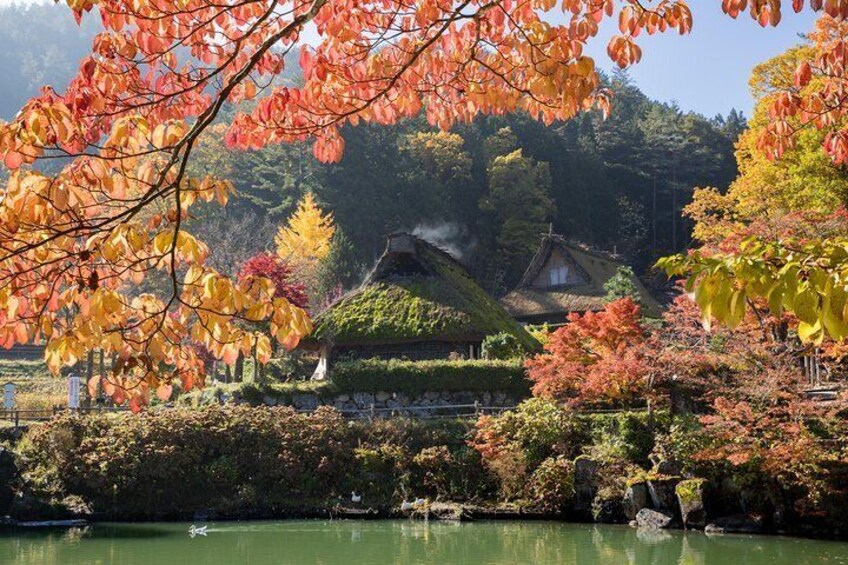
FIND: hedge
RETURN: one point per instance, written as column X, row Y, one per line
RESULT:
column 415, row 377
column 238, row 461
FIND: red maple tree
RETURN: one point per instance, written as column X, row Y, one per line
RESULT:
column 275, row 269
column 596, row 358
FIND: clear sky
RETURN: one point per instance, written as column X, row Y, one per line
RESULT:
column 706, row 71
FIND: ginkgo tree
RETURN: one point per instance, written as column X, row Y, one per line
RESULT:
column 802, row 267
column 76, row 245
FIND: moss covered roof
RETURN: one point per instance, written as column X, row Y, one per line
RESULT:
column 528, row 301
column 417, row 292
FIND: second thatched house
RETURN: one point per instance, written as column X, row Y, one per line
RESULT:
column 418, row 303
column 566, row 277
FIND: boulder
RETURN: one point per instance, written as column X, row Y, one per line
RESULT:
column 585, row 485
column 608, row 510
column 668, row 467
column 691, row 496
column 269, row 400
column 736, row 524
column 363, row 400
column 305, row 401
column 661, row 491
column 653, row 519
column 635, row 499
column 382, row 396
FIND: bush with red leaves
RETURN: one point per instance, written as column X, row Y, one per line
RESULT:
column 274, row 268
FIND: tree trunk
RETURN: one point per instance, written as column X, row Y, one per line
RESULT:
column 239, row 368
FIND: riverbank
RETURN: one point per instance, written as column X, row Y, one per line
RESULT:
column 538, row 462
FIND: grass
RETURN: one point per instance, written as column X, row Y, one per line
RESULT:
column 37, row 388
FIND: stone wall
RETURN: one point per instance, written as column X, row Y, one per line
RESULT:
column 383, row 403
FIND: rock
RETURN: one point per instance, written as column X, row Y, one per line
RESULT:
column 342, row 398
column 735, row 524
column 662, row 493
column 431, row 395
column 363, row 399
column 305, row 401
column 392, row 403
column 269, row 400
column 585, row 485
column 608, row 510
column 690, row 497
column 448, row 512
column 653, row 519
column 382, row 396
column 635, row 499
column 668, row 467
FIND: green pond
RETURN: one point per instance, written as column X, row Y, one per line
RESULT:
column 402, row 542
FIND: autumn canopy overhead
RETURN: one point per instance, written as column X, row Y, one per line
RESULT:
column 76, row 246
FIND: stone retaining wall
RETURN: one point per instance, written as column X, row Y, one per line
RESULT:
column 431, row 402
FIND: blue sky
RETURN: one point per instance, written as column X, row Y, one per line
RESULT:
column 706, row 71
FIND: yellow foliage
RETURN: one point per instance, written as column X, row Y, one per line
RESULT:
column 307, row 235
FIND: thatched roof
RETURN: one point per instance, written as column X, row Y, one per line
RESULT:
column 534, row 298
column 417, row 292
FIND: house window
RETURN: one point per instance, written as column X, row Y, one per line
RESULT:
column 559, row 275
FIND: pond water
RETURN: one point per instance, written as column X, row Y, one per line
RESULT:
column 382, row 542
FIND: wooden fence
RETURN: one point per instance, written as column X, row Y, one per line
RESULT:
column 17, row 416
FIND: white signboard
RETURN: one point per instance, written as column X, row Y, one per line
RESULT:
column 9, row 396
column 73, row 392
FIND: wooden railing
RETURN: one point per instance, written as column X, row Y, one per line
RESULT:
column 17, row 416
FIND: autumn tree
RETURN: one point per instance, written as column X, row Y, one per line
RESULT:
column 74, row 243
column 271, row 267
column 596, row 358
column 308, row 234
column 799, row 265
column 768, row 190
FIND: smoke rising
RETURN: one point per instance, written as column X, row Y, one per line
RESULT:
column 451, row 237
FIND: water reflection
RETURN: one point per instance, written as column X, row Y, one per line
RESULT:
column 317, row 542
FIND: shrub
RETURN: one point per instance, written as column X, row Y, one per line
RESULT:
column 240, row 461
column 503, row 346
column 624, row 435
column 553, row 484
column 173, row 462
column 415, row 377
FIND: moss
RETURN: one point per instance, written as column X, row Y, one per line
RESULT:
column 440, row 302
column 690, row 490
column 649, row 476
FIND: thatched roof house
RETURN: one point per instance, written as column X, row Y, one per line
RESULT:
column 566, row 277
column 417, row 303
